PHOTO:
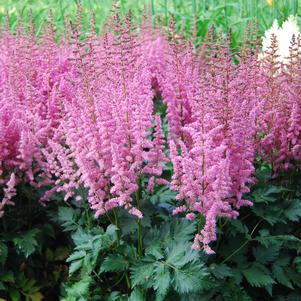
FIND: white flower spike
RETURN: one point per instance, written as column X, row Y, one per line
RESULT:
column 283, row 35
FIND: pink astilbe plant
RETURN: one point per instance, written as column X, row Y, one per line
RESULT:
column 214, row 169
column 109, row 114
column 30, row 109
column 279, row 120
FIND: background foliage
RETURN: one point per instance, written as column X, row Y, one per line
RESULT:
column 62, row 247
column 221, row 13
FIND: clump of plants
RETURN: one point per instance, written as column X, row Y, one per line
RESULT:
column 166, row 169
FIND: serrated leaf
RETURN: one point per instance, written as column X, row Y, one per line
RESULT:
column 293, row 212
column 140, row 274
column 257, row 277
column 267, row 194
column 182, row 230
column 288, row 240
column 66, row 217
column 269, row 289
column 137, row 295
column 221, row 271
column 297, row 262
column 161, row 280
column 181, row 254
column 280, row 276
column 80, row 289
column 75, row 266
column 155, row 250
column 188, row 279
column 114, row 263
column 27, row 243
column 294, row 277
column 7, row 276
column 76, row 255
column 238, row 227
column 266, row 254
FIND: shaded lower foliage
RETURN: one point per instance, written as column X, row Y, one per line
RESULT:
column 64, row 248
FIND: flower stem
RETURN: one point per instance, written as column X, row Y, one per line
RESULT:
column 139, row 239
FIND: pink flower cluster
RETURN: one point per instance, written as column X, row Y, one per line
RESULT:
column 79, row 111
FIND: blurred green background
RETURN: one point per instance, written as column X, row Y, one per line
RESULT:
column 222, row 13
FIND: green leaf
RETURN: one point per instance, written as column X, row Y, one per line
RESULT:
column 114, row 263
column 297, row 262
column 80, row 289
column 155, row 250
column 294, row 277
column 188, row 279
column 221, row 271
column 161, row 280
column 267, row 194
column 14, row 294
column 257, row 276
column 181, row 254
column 27, row 243
column 66, row 217
column 182, row 230
column 75, row 266
column 140, row 274
column 280, row 275
column 3, row 253
column 76, row 255
column 7, row 277
column 2, row 287
column 265, row 255
column 137, row 295
column 293, row 212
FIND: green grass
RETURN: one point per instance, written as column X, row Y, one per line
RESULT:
column 221, row 13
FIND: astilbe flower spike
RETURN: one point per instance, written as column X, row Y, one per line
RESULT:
column 215, row 164
column 109, row 112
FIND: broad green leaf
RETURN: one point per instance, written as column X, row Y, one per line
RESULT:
column 155, row 250
column 188, row 279
column 280, row 275
column 257, row 277
column 114, row 263
column 161, row 280
column 266, row 254
column 221, row 271
column 76, row 255
column 297, row 262
column 137, row 295
column 75, row 266
column 140, row 274
column 27, row 243
column 293, row 212
column 14, row 294
column 66, row 217
column 7, row 276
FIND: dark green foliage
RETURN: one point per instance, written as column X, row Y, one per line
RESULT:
column 63, row 248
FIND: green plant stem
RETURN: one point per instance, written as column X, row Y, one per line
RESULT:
column 117, row 225
column 220, row 225
column 128, row 281
column 244, row 244
column 139, row 239
column 119, row 280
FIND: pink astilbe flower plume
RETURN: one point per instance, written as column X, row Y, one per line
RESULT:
column 215, row 164
column 109, row 115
